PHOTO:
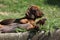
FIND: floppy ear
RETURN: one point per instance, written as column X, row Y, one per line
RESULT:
column 29, row 14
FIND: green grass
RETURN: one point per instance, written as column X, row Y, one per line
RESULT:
column 17, row 9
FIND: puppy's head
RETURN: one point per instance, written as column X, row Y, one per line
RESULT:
column 34, row 12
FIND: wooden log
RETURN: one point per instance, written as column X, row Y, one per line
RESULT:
column 13, row 36
column 18, row 36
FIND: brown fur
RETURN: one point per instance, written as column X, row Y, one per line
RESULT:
column 7, row 21
column 18, row 21
column 21, row 21
column 12, row 27
column 42, row 21
column 34, row 12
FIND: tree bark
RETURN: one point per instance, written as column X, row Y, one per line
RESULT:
column 27, row 36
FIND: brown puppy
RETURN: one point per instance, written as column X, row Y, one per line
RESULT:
column 34, row 12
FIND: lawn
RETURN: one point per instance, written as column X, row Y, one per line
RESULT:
column 17, row 9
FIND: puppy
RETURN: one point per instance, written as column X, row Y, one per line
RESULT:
column 32, row 13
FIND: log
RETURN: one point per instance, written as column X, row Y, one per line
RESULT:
column 17, row 36
column 13, row 36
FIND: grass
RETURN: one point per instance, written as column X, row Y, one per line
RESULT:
column 17, row 8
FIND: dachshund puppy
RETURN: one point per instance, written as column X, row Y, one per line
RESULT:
column 42, row 21
column 34, row 12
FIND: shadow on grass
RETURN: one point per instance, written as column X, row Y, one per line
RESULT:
column 53, row 2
